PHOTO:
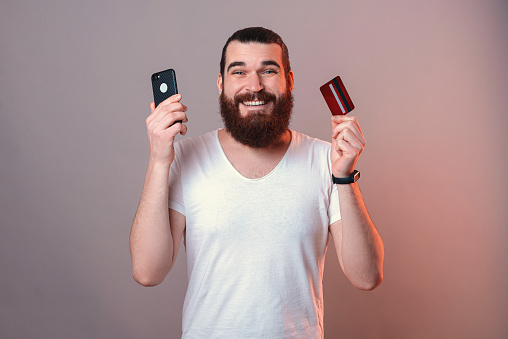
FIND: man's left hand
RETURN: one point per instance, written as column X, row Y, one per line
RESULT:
column 347, row 145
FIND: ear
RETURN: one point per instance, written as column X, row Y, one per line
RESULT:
column 219, row 83
column 290, row 80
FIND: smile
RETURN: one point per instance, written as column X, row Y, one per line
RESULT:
column 254, row 103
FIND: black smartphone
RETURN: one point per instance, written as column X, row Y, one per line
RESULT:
column 163, row 85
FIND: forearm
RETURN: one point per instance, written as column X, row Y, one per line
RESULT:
column 362, row 249
column 150, row 241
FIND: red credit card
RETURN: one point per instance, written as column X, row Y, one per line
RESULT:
column 336, row 97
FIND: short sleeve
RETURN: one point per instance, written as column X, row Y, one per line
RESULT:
column 334, row 207
column 175, row 198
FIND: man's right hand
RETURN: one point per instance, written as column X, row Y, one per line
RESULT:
column 162, row 132
column 152, row 244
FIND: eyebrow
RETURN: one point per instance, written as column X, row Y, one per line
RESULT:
column 234, row 64
column 271, row 63
column 264, row 63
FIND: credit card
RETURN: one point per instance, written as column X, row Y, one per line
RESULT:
column 336, row 97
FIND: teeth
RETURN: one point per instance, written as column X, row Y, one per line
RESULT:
column 253, row 103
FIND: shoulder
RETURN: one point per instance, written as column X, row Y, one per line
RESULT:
column 196, row 143
column 197, row 149
column 304, row 142
column 311, row 155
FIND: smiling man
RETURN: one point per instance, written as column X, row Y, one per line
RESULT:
column 255, row 202
column 255, row 105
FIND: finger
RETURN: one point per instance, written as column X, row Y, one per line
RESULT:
column 345, row 149
column 347, row 126
column 170, row 119
column 338, row 119
column 176, row 128
column 352, row 135
column 164, row 109
column 351, row 138
column 167, row 130
column 172, row 99
column 341, row 118
column 351, row 126
column 173, row 107
column 183, row 129
column 152, row 107
column 348, row 139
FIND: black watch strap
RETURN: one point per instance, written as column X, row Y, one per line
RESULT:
column 348, row 180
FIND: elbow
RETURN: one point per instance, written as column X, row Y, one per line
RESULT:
column 372, row 276
column 370, row 283
column 149, row 272
column 146, row 278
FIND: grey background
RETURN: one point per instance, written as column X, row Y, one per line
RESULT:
column 429, row 83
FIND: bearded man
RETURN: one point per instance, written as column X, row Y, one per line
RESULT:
column 255, row 202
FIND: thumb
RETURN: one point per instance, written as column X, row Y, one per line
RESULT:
column 152, row 106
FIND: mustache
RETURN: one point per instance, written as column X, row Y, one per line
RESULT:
column 259, row 96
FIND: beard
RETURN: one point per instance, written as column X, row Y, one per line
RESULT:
column 257, row 129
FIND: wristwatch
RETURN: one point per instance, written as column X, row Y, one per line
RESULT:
column 348, row 180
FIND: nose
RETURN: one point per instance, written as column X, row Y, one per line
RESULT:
column 254, row 83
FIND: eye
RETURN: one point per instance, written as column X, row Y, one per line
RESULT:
column 270, row 71
column 237, row 72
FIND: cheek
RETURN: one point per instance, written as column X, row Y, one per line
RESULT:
column 277, row 85
column 231, row 89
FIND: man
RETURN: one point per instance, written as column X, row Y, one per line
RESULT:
column 255, row 203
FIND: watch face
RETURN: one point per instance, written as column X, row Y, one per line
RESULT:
column 356, row 175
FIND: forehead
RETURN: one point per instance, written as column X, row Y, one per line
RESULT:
column 253, row 53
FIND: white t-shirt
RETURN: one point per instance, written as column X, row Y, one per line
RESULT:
column 255, row 247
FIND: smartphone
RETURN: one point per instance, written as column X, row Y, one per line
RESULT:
column 163, row 85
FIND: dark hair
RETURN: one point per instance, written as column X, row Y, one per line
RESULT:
column 260, row 35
